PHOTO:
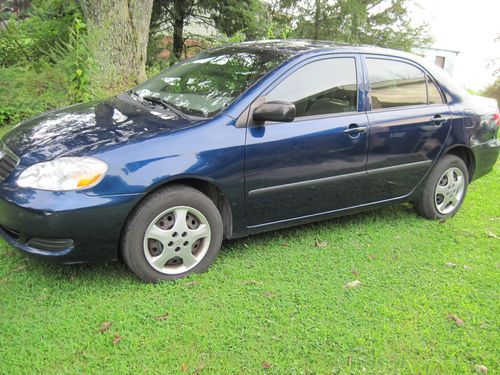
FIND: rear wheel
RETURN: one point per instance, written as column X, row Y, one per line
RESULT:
column 172, row 233
column 444, row 190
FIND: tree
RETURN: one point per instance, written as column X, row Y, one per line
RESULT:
column 493, row 90
column 228, row 16
column 118, row 37
column 377, row 22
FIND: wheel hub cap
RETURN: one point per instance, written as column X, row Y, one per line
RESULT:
column 449, row 191
column 177, row 240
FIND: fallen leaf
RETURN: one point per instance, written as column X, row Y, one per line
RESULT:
column 184, row 367
column 321, row 244
column 117, row 339
column 81, row 353
column 285, row 244
column 253, row 282
column 482, row 369
column 266, row 365
column 191, row 283
column 355, row 272
column 456, row 319
column 353, row 284
column 371, row 257
column 105, row 326
column 269, row 294
column 467, row 268
column 161, row 318
column 245, row 245
column 199, row 368
column 493, row 235
column 450, row 265
column 349, row 360
column 19, row 268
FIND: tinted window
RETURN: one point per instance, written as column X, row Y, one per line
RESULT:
column 321, row 87
column 395, row 84
column 432, row 90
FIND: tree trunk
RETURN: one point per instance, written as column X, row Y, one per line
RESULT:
column 317, row 14
column 178, row 37
column 118, row 40
column 178, row 42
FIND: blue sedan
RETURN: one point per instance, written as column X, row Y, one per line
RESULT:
column 241, row 139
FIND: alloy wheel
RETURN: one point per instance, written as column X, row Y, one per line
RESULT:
column 177, row 240
column 449, row 190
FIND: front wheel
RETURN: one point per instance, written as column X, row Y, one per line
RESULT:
column 175, row 231
column 444, row 190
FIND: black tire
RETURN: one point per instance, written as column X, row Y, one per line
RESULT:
column 425, row 205
column 145, row 213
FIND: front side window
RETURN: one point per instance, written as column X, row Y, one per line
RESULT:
column 322, row 87
column 205, row 85
column 395, row 84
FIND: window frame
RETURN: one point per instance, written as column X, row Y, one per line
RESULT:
column 427, row 77
column 328, row 56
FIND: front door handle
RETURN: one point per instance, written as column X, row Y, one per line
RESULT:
column 354, row 130
column 438, row 120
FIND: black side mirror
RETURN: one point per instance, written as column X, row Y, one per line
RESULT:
column 274, row 111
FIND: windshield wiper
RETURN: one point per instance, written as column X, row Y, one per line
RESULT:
column 163, row 103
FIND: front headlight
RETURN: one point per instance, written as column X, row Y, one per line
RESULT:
column 66, row 173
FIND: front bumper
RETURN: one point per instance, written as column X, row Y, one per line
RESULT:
column 67, row 227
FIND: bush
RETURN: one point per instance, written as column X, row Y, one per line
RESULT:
column 44, row 63
column 493, row 91
column 26, row 92
column 27, row 40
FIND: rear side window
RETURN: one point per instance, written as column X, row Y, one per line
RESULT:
column 321, row 87
column 396, row 84
column 433, row 92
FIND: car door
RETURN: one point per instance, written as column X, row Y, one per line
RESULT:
column 408, row 125
column 316, row 163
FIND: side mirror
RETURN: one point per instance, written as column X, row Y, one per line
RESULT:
column 274, row 111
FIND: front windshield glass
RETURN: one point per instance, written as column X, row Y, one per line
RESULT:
column 206, row 84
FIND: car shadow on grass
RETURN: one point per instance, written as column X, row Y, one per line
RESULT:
column 117, row 272
column 389, row 214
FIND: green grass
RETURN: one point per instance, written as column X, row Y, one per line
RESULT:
column 276, row 300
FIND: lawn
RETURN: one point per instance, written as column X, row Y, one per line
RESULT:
column 276, row 303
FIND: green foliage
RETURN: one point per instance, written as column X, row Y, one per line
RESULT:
column 382, row 23
column 44, row 61
column 27, row 40
column 74, row 57
column 229, row 17
column 493, row 91
column 26, row 92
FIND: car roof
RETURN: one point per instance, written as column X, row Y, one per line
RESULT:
column 295, row 47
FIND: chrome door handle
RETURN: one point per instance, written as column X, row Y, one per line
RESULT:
column 354, row 130
column 438, row 120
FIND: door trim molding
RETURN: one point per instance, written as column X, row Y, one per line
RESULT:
column 342, row 177
column 398, row 167
column 316, row 181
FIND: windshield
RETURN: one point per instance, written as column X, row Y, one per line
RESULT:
column 206, row 84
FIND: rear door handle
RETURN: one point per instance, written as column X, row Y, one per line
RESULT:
column 438, row 120
column 354, row 130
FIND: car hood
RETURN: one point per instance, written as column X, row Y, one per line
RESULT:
column 84, row 128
